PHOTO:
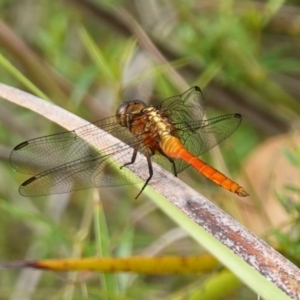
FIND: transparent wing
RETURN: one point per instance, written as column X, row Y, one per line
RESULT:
column 187, row 107
column 44, row 153
column 87, row 172
column 200, row 136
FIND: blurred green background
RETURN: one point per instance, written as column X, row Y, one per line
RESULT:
column 88, row 57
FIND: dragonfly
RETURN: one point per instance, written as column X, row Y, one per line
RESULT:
column 172, row 134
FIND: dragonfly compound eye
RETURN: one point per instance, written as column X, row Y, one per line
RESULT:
column 127, row 109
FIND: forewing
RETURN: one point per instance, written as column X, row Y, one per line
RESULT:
column 44, row 153
column 185, row 108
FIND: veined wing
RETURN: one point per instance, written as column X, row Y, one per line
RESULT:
column 200, row 136
column 47, row 152
column 187, row 107
column 93, row 170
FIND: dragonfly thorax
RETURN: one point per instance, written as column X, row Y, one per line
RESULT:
column 147, row 122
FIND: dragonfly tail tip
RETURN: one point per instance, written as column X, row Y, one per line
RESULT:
column 241, row 192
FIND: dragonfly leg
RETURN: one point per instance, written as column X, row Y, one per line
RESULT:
column 133, row 158
column 150, row 173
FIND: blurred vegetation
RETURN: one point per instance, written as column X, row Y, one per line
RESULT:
column 88, row 57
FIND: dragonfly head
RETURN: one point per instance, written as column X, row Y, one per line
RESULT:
column 127, row 109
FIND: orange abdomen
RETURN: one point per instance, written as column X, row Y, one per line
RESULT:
column 173, row 148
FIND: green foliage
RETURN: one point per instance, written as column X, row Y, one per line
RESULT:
column 242, row 53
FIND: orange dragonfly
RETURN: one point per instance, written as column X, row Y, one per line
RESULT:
column 172, row 134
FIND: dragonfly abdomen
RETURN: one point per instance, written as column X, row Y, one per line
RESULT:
column 173, row 148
